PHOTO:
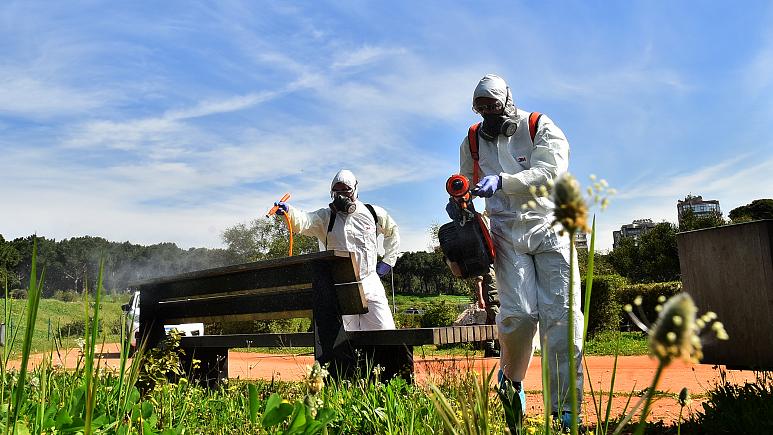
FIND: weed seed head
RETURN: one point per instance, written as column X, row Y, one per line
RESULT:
column 684, row 397
column 669, row 341
column 315, row 378
column 571, row 210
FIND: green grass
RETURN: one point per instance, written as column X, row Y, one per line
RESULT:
column 631, row 343
column 56, row 314
column 404, row 302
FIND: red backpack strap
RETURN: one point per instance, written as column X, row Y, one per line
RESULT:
column 533, row 121
column 472, row 138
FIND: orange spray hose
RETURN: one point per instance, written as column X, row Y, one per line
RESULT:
column 273, row 211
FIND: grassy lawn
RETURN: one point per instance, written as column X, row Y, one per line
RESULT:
column 404, row 302
column 630, row 343
column 55, row 315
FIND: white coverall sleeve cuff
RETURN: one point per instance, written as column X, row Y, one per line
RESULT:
column 388, row 227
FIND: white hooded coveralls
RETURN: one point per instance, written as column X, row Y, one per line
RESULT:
column 532, row 260
column 356, row 233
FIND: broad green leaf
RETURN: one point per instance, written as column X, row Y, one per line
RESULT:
column 147, row 429
column 147, row 410
column 62, row 418
column 277, row 415
column 134, row 395
column 298, row 420
column 253, row 402
column 273, row 401
column 21, row 428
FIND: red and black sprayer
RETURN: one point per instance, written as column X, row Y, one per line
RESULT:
column 466, row 240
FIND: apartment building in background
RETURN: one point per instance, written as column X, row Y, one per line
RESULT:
column 699, row 207
column 633, row 230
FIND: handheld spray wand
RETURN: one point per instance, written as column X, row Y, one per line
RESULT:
column 458, row 186
column 273, row 211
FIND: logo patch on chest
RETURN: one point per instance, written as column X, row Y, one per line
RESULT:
column 520, row 159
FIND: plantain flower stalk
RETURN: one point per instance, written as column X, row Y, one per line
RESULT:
column 315, row 378
column 676, row 334
column 571, row 209
column 571, row 212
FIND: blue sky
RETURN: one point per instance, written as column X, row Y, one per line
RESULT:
column 171, row 121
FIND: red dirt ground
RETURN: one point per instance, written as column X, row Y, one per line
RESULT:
column 634, row 373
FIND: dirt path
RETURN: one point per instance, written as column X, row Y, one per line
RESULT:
column 634, row 373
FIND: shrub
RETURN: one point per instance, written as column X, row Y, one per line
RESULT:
column 731, row 408
column 649, row 294
column 403, row 320
column 258, row 326
column 77, row 328
column 67, row 296
column 605, row 308
column 18, row 293
column 442, row 314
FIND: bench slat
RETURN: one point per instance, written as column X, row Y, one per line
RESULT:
column 289, row 339
column 279, row 315
column 252, row 280
column 234, row 305
column 408, row 336
column 278, row 263
column 421, row 336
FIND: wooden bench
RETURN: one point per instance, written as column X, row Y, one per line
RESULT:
column 323, row 286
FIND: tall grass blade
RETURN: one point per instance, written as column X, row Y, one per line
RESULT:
column 596, row 405
column 589, row 281
column 612, row 386
column 444, row 409
column 33, row 301
column 91, row 341
column 570, row 338
column 546, row 381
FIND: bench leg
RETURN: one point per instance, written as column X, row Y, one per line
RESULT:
column 212, row 368
column 393, row 360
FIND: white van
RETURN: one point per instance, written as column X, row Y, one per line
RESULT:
column 132, row 311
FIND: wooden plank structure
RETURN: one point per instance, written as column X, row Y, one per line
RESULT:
column 729, row 270
column 323, row 285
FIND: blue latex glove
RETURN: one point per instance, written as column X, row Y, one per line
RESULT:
column 382, row 268
column 487, row 186
column 452, row 208
column 283, row 207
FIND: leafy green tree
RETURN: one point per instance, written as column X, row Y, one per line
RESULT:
column 601, row 263
column 756, row 210
column 9, row 259
column 653, row 257
column 427, row 273
column 688, row 220
column 265, row 238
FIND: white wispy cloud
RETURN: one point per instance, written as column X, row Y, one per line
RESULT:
column 364, row 55
column 28, row 97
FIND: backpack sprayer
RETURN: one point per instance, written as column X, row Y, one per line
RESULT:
column 272, row 211
column 466, row 241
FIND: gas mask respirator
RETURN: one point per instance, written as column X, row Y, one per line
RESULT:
column 496, row 124
column 343, row 203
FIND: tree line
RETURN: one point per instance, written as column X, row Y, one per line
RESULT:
column 71, row 263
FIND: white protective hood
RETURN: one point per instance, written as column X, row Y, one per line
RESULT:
column 493, row 86
column 346, row 177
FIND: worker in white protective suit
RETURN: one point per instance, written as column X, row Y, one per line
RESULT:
column 532, row 260
column 350, row 225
